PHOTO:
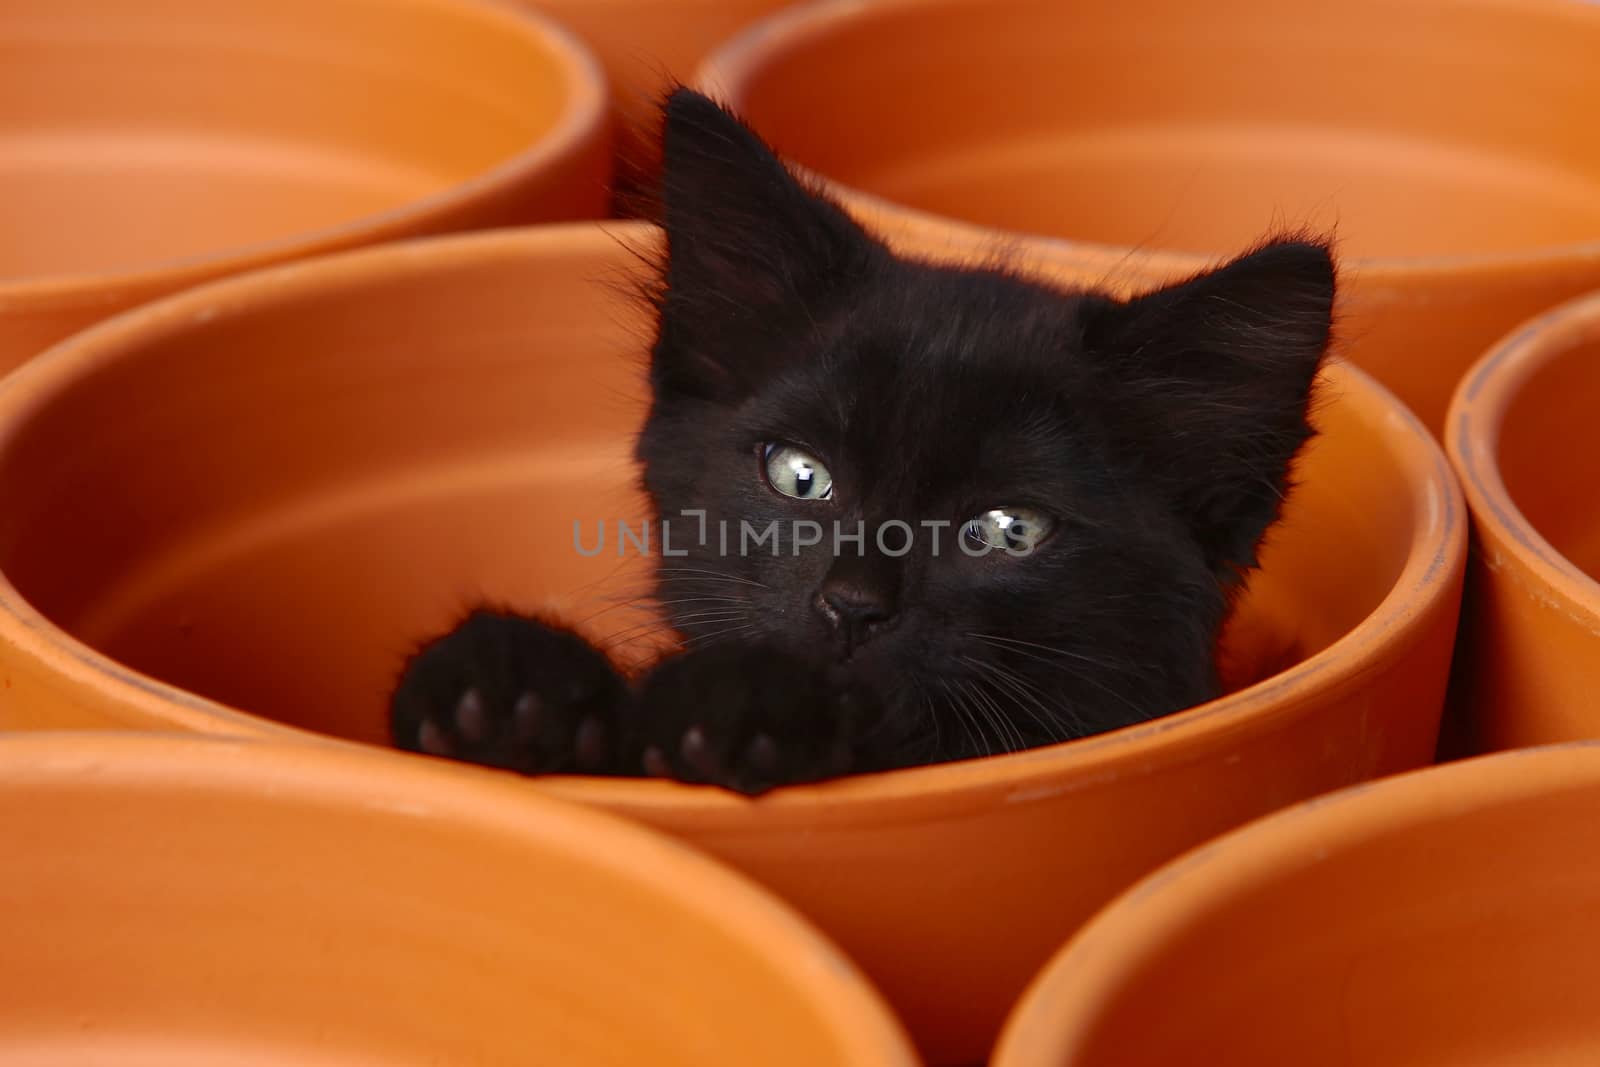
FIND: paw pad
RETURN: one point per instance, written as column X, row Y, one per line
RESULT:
column 434, row 741
column 472, row 722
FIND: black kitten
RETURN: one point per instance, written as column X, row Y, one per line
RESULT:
column 1056, row 495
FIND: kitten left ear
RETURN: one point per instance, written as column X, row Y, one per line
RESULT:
column 1210, row 381
column 749, row 248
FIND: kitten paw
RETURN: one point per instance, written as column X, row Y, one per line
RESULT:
column 745, row 718
column 506, row 691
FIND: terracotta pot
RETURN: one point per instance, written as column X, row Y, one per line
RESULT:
column 309, row 469
column 1445, row 916
column 1520, row 435
column 147, row 147
column 198, row 901
column 644, row 45
column 1447, row 141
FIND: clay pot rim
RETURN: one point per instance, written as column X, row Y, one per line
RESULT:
column 1473, row 426
column 1436, row 555
column 848, row 1005
column 734, row 62
column 584, row 116
column 1061, row 1004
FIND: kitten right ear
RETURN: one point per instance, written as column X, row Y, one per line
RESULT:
column 749, row 249
column 1210, row 382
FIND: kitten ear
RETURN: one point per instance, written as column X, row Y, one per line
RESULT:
column 1212, row 379
column 749, row 249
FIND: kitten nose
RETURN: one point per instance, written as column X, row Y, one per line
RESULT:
column 855, row 610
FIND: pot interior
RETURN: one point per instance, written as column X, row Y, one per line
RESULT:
column 1198, row 128
column 270, row 495
column 1450, row 925
column 143, row 136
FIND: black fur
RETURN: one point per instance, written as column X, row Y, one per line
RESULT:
column 1158, row 433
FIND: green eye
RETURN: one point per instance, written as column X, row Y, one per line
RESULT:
column 799, row 474
column 1017, row 530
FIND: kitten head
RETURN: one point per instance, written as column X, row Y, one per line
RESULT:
column 1054, row 492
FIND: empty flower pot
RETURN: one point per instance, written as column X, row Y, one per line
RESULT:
column 146, row 147
column 1447, row 143
column 184, row 900
column 1445, row 916
column 312, row 468
column 1521, row 435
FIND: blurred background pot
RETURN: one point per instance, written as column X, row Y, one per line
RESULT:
column 146, row 147
column 1522, row 437
column 645, row 45
column 1445, row 916
column 312, row 468
column 181, row 900
column 1447, row 142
